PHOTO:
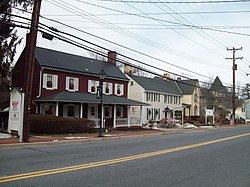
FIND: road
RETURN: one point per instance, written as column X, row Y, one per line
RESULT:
column 216, row 158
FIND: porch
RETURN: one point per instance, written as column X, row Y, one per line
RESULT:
column 115, row 111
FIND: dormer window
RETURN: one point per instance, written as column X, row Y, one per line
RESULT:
column 72, row 84
column 50, row 81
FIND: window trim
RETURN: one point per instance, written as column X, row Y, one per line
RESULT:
column 75, row 84
column 54, row 81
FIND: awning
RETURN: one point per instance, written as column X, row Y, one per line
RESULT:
column 78, row 97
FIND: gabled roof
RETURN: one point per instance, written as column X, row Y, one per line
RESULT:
column 79, row 97
column 157, row 84
column 66, row 62
column 217, row 85
column 187, row 86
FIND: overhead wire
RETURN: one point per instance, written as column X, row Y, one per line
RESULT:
column 154, row 67
column 153, row 43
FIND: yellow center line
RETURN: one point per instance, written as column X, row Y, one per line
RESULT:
column 111, row 161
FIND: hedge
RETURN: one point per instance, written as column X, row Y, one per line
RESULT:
column 47, row 124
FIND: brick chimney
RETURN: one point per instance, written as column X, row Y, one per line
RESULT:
column 112, row 57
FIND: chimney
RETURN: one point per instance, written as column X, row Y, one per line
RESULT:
column 112, row 57
column 128, row 69
column 166, row 76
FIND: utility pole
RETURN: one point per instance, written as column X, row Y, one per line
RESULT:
column 30, row 51
column 234, row 68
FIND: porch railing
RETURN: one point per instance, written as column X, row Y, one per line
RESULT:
column 120, row 122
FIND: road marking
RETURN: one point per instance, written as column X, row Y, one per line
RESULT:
column 111, row 161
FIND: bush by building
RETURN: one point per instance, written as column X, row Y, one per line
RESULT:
column 47, row 124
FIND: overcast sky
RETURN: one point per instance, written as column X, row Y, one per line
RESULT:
column 170, row 32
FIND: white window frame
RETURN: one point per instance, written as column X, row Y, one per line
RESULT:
column 76, row 110
column 54, row 81
column 75, row 83
column 45, row 106
column 121, row 110
column 110, row 87
column 89, row 111
column 121, row 89
column 93, row 83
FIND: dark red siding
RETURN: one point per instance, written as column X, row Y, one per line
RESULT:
column 83, row 82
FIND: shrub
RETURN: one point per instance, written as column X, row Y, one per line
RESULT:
column 47, row 124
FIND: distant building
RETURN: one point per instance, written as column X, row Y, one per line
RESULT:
column 191, row 94
column 217, row 97
column 161, row 94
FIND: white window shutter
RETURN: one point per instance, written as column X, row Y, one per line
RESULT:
column 44, row 80
column 76, row 82
column 122, row 89
column 77, row 111
column 67, row 83
column 89, row 86
column 110, row 88
column 55, row 81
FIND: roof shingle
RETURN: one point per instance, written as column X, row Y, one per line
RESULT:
column 48, row 58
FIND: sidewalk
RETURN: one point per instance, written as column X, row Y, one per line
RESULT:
column 117, row 134
column 6, row 139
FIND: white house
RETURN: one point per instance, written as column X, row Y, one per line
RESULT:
column 163, row 96
column 247, row 112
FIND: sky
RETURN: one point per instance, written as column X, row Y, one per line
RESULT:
column 186, row 39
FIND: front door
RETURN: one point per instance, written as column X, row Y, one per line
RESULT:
column 107, row 115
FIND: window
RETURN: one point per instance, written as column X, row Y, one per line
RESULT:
column 72, row 84
column 119, row 111
column 153, row 113
column 50, row 81
column 156, row 113
column 92, row 86
column 107, row 113
column 119, row 89
column 195, row 110
column 47, row 108
column 195, row 98
column 92, row 111
column 149, row 113
column 107, row 88
column 71, row 110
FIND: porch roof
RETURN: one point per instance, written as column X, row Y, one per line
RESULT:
column 78, row 97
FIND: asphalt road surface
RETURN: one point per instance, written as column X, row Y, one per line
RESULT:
column 210, row 158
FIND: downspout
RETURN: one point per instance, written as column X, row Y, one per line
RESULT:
column 40, row 89
column 40, row 83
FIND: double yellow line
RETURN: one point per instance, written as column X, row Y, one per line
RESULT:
column 112, row 161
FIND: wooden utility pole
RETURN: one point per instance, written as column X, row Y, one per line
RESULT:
column 30, row 51
column 234, row 68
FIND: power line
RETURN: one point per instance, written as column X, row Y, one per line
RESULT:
column 162, row 13
column 95, row 36
column 178, row 2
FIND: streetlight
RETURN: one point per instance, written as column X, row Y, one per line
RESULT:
column 102, row 76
